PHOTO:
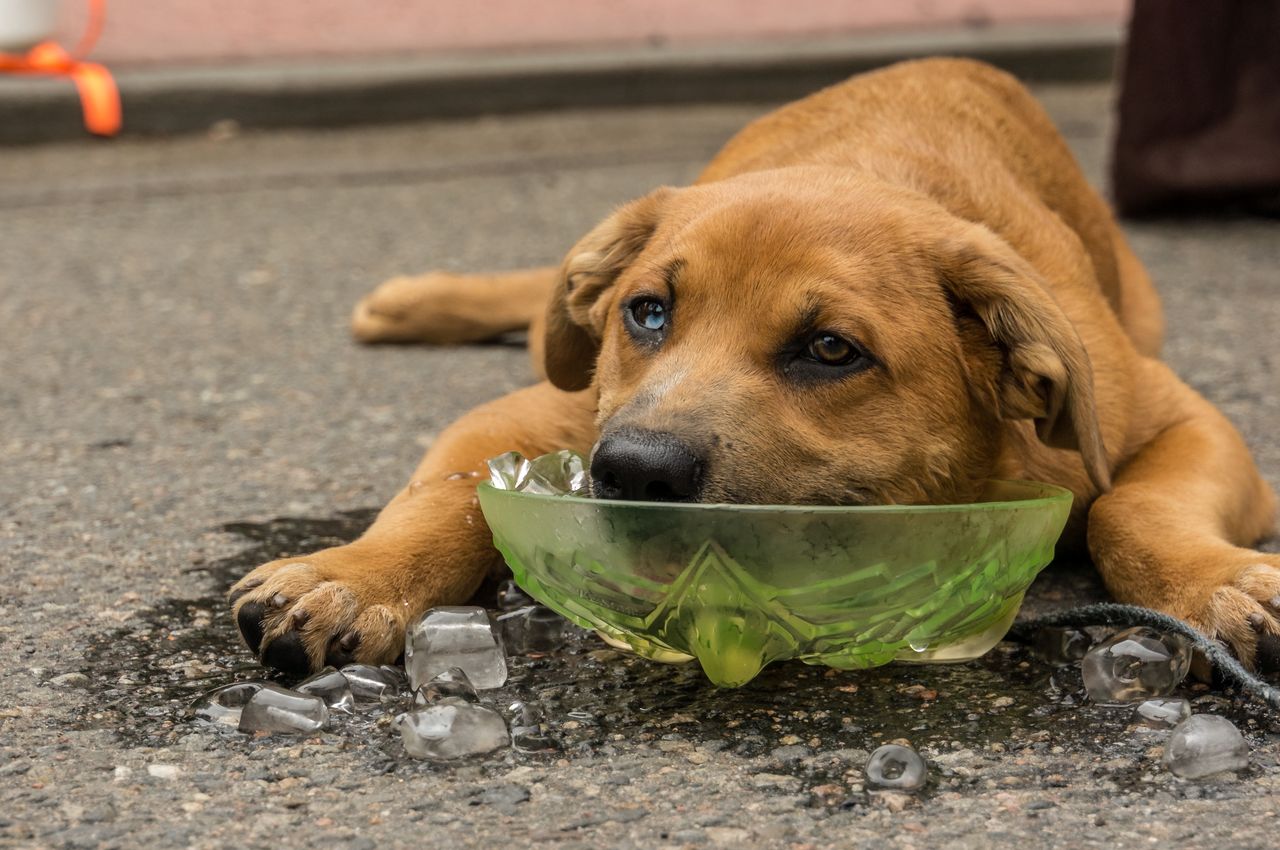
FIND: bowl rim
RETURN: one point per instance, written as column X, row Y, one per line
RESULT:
column 1045, row 495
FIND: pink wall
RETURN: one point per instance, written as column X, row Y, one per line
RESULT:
column 184, row 31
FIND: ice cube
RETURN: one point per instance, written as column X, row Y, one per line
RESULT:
column 1135, row 664
column 897, row 767
column 223, row 705
column 508, row 471
column 396, row 675
column 532, row 629
column 1205, row 744
column 332, row 686
column 458, row 636
column 372, row 684
column 277, row 709
column 1163, row 713
column 1062, row 647
column 557, row 474
column 528, row 729
column 452, row 728
column 451, row 683
column 511, row 597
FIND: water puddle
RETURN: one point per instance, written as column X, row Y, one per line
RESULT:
column 600, row 703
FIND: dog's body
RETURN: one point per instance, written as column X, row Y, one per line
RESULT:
column 889, row 291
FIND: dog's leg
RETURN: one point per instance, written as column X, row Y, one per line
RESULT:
column 1173, row 533
column 429, row 546
column 450, row 309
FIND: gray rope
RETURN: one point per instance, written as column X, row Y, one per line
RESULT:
column 1112, row 614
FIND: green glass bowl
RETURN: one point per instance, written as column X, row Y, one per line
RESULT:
column 739, row 586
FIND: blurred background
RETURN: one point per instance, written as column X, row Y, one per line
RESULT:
column 1199, row 84
column 185, row 65
column 184, row 32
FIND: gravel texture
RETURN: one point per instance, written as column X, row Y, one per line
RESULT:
column 177, row 378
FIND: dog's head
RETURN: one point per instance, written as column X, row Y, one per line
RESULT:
column 810, row 343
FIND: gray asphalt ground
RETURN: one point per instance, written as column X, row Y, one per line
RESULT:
column 176, row 374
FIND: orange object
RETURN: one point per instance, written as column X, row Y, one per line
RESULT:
column 99, row 97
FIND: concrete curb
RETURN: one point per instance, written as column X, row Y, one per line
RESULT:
column 349, row 92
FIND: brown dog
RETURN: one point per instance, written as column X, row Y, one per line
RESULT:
column 886, row 292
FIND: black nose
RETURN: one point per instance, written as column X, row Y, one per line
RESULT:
column 648, row 466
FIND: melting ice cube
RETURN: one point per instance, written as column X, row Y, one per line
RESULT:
column 528, row 729
column 1205, row 744
column 1163, row 713
column 373, row 684
column 454, row 636
column 452, row 728
column 556, row 473
column 1135, row 664
column 223, row 705
column 451, row 683
column 532, row 629
column 396, row 675
column 897, row 767
column 277, row 709
column 1062, row 647
column 508, row 471
column 332, row 687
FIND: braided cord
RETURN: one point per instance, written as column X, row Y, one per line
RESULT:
column 1113, row 614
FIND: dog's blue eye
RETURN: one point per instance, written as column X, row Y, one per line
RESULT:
column 649, row 314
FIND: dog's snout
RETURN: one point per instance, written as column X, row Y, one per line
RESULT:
column 646, row 466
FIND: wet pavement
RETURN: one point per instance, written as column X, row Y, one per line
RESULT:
column 181, row 403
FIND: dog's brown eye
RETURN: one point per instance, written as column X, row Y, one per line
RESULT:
column 831, row 349
column 824, row 356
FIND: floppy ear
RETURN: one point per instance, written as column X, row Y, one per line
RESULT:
column 1047, row 375
column 576, row 312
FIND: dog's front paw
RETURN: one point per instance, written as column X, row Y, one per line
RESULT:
column 299, row 614
column 422, row 308
column 1244, row 608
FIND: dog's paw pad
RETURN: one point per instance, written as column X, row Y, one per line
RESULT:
column 298, row 615
column 287, row 654
column 249, row 619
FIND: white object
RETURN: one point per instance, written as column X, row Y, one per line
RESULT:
column 25, row 23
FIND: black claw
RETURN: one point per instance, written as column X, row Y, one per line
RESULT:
column 342, row 651
column 286, row 654
column 250, row 622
